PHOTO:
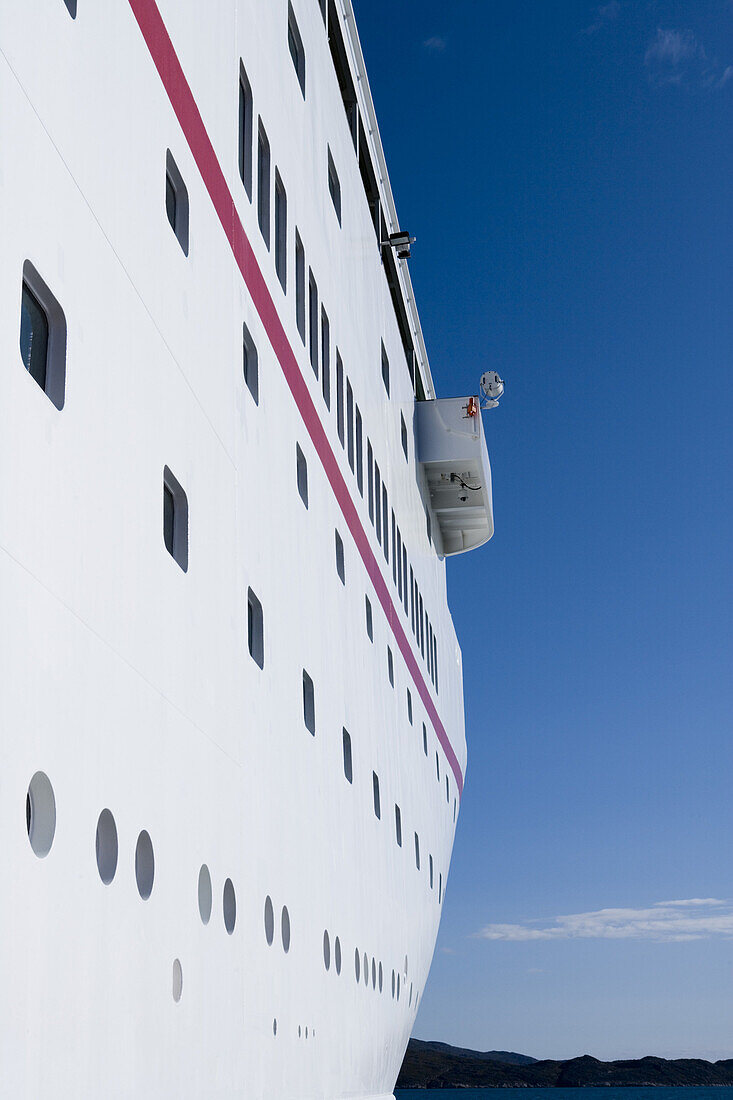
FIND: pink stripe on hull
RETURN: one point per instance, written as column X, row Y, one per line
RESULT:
column 181, row 97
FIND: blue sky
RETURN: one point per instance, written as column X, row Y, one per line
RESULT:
column 567, row 170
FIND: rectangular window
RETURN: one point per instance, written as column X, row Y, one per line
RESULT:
column 412, row 600
column 405, row 598
column 245, row 131
column 428, row 525
column 325, row 359
column 334, row 187
column 385, row 516
column 375, row 791
column 398, row 555
column 378, row 503
column 263, row 183
column 425, row 739
column 385, row 370
column 339, row 397
column 417, row 851
column 398, row 825
column 421, row 625
column 300, row 285
column 395, row 558
column 440, row 885
column 403, row 436
column 175, row 519
column 348, row 770
column 309, row 704
column 176, row 202
column 43, row 336
column 340, row 565
column 435, row 662
column 369, row 618
column 250, row 364
column 390, row 666
column 370, row 480
column 350, row 424
column 437, row 766
column 430, row 864
column 255, row 629
column 359, row 444
column 281, row 232
column 313, row 322
column 295, row 45
column 301, row 471
column 409, row 707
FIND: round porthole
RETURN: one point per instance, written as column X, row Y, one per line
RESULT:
column 337, row 955
column 177, row 980
column 204, row 892
column 285, row 929
column 269, row 921
column 144, row 865
column 229, row 901
column 106, row 847
column 40, row 814
column 326, row 951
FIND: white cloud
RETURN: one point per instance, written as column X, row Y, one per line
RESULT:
column 435, row 44
column 673, row 47
column 677, row 57
column 671, row 921
column 605, row 14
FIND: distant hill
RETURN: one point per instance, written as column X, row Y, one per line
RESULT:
column 438, row 1065
column 507, row 1056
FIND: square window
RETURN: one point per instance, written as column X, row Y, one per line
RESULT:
column 255, row 629
column 340, row 565
column 176, row 202
column 250, row 364
column 309, row 704
column 334, row 186
column 301, row 474
column 369, row 619
column 348, row 770
column 43, row 336
column 175, row 519
column 375, row 792
column 295, row 45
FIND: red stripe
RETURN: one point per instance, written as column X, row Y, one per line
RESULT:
column 181, row 97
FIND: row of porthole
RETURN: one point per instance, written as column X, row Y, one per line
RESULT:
column 40, row 819
column 41, row 827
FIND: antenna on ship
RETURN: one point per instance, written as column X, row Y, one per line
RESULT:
column 492, row 387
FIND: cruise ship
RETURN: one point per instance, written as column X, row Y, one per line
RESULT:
column 233, row 742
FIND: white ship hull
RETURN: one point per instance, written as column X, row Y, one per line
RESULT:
column 127, row 681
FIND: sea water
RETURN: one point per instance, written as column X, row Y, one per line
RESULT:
column 658, row 1092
